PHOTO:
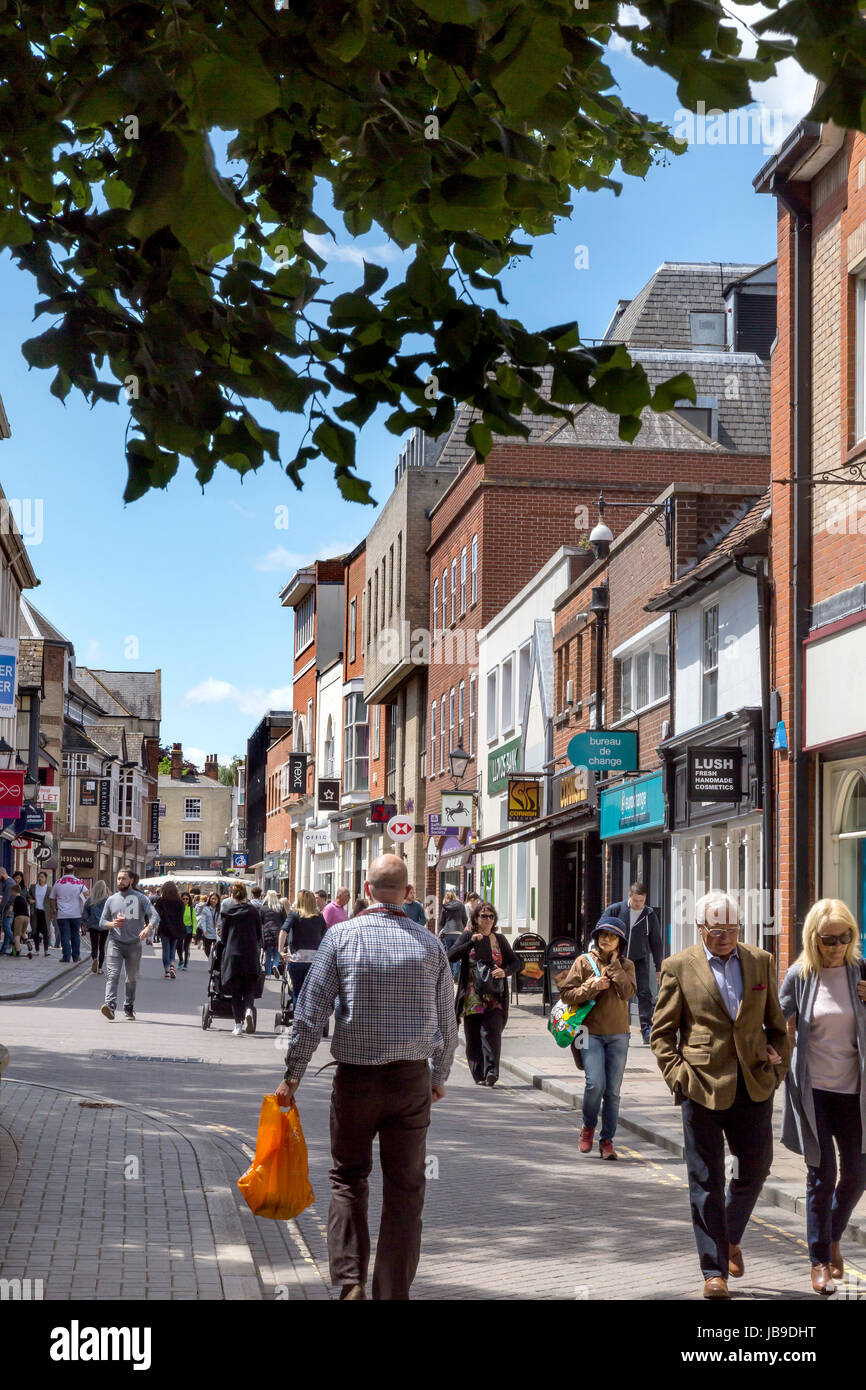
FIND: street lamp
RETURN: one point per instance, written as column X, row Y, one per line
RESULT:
column 458, row 761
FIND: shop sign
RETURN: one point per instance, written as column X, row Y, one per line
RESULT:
column 318, row 837
column 240, row 861
column 11, row 793
column 530, row 949
column 329, row 794
column 715, row 774
column 284, row 865
column 487, row 881
column 154, row 822
column 502, row 764
column 8, row 677
column 48, row 798
column 105, row 803
column 88, row 791
column 454, row 860
column 637, row 805
column 432, row 854
column 561, row 955
column 297, row 774
column 603, row 749
column 32, row 818
column 524, row 799
column 435, row 824
column 456, row 810
column 21, row 842
column 574, row 788
column 79, row 858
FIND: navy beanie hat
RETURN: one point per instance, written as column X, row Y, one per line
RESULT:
column 607, row 922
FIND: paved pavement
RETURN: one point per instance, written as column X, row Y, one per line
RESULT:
column 513, row 1211
column 23, row 978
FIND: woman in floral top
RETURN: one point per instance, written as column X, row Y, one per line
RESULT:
column 484, row 1012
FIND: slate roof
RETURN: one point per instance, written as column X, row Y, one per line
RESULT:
column 658, row 316
column 135, row 693
column 744, row 536
column 40, row 626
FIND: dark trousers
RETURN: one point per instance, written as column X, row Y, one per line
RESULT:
column 97, row 946
column 392, row 1101
column 242, row 989
column 297, row 974
column 720, row 1220
column 207, row 945
column 40, row 931
column 183, row 949
column 484, row 1042
column 645, row 1002
column 828, row 1206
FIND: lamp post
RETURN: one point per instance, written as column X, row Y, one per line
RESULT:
column 458, row 761
column 600, row 538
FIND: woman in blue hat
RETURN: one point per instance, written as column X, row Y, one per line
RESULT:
column 604, row 978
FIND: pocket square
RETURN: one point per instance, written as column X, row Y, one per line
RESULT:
column 759, row 986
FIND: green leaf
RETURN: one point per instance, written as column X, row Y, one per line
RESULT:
column 374, row 277
column 336, row 443
column 232, row 86
column 180, row 188
column 15, row 230
column 676, row 388
column 527, row 77
column 479, row 436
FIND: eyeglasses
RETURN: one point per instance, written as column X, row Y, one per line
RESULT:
column 842, row 940
column 487, row 914
column 716, row 933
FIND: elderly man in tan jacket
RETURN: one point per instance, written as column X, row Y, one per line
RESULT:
column 720, row 1039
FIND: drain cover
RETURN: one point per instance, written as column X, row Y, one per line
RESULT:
column 137, row 1057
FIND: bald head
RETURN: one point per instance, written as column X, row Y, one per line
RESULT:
column 387, row 877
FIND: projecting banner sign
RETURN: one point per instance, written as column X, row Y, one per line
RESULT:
column 715, row 774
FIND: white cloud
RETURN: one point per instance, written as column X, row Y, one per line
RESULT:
column 331, row 250
column 253, row 700
column 280, row 560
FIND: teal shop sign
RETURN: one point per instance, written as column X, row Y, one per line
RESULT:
column 601, row 749
column 637, row 805
column 501, row 765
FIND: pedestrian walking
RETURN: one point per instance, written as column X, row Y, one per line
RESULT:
column 169, row 913
column 300, row 938
column 240, row 932
column 486, row 959
column 413, row 908
column 128, row 915
column 720, row 1039
column 336, row 911
column 643, row 945
column 67, row 898
column 359, row 905
column 38, row 895
column 7, row 893
column 393, row 1044
column 321, row 900
column 452, row 914
column 273, row 918
column 189, row 923
column 604, row 977
column 20, row 920
column 97, row 933
column 255, row 898
column 824, row 996
column 206, row 926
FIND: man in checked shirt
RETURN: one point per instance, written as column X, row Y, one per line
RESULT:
column 389, row 983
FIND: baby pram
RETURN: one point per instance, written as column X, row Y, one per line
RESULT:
column 286, row 1012
column 219, row 1004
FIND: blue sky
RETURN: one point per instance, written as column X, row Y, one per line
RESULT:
column 187, row 580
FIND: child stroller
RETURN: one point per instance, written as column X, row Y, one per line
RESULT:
column 219, row 1004
column 286, row 1012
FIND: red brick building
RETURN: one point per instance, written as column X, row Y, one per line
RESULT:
column 818, row 376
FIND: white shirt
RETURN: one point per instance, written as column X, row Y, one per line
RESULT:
column 67, row 894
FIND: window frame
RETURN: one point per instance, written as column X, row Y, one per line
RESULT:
column 305, row 622
column 463, row 581
column 474, row 568
column 191, row 801
column 188, row 836
column 453, row 591
column 473, row 713
column 712, row 670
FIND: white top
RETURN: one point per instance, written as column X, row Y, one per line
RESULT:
column 633, row 915
column 39, row 894
column 833, row 1060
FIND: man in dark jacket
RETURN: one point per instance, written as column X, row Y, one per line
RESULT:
column 644, row 939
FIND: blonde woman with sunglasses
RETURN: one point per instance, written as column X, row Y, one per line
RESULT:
column 824, row 998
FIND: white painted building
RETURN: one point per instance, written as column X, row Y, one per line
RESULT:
column 515, row 710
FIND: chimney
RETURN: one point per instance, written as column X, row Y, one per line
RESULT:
column 211, row 767
column 176, row 760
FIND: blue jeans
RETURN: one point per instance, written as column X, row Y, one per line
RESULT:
column 169, row 945
column 828, row 1206
column 272, row 958
column 7, row 934
column 70, row 937
column 604, row 1059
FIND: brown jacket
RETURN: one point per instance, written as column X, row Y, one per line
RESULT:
column 696, row 1042
column 610, row 1013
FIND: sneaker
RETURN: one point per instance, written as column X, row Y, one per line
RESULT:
column 646, row 1036
column 275, row 972
column 129, row 1013
column 607, row 1150
column 249, row 1022
column 108, row 1011
column 237, row 1031
column 172, row 973
column 585, row 1141
column 167, row 975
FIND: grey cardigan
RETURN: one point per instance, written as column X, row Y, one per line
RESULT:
column 799, row 1127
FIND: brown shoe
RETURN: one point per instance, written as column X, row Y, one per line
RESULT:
column 822, row 1279
column 584, row 1143
column 352, row 1291
column 607, row 1150
column 736, row 1267
column 716, row 1287
column 837, row 1264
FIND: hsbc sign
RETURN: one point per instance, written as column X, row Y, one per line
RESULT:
column 400, row 829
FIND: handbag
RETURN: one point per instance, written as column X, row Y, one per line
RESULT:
column 484, row 981
column 564, row 1021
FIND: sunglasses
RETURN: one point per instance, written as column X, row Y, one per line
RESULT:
column 487, row 914
column 842, row 940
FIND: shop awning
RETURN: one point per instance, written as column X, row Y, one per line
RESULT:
column 455, row 859
column 546, row 825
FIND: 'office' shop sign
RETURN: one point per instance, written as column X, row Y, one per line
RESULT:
column 715, row 774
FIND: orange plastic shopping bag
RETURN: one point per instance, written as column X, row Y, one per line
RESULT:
column 277, row 1182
